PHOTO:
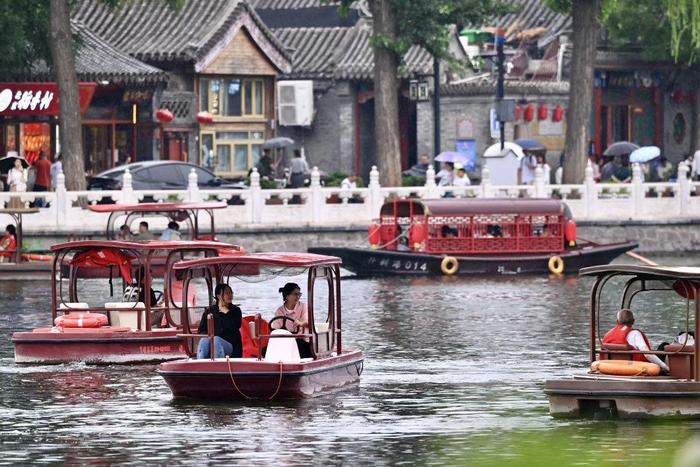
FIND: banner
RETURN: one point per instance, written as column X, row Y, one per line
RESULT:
column 17, row 99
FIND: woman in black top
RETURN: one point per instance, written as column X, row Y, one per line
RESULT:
column 227, row 326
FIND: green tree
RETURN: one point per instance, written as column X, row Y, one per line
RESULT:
column 25, row 36
column 661, row 31
column 586, row 25
column 398, row 25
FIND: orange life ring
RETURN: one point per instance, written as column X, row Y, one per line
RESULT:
column 36, row 257
column 626, row 368
column 81, row 320
column 449, row 265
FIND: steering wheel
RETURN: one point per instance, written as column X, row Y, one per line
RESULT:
column 284, row 322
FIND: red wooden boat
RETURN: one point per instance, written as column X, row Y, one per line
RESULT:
column 113, row 330
column 277, row 372
column 474, row 236
column 613, row 386
column 20, row 264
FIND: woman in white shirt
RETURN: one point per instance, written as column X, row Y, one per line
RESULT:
column 17, row 177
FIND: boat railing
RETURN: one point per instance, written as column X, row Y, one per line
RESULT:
column 680, row 357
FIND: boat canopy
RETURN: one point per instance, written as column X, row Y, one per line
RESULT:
column 157, row 207
column 470, row 206
column 291, row 260
column 146, row 245
column 649, row 272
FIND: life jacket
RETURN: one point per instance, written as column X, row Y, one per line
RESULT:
column 11, row 245
column 618, row 335
column 250, row 345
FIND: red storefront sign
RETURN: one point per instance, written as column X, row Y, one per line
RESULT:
column 18, row 99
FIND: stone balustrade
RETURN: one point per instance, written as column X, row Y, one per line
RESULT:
column 319, row 206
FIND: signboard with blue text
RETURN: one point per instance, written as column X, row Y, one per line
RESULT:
column 468, row 148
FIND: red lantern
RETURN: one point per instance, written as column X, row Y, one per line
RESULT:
column 529, row 112
column 205, row 117
column 164, row 115
column 518, row 112
column 542, row 112
column 558, row 114
column 678, row 96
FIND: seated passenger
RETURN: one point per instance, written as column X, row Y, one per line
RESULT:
column 172, row 232
column 449, row 231
column 402, row 244
column 297, row 311
column 227, row 326
column 8, row 244
column 623, row 333
column 144, row 233
column 124, row 233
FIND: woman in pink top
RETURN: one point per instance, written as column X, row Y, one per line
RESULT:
column 294, row 309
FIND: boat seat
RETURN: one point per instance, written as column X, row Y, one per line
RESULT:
column 323, row 337
column 126, row 314
column 321, row 327
column 73, row 306
column 607, row 352
column 680, row 366
column 281, row 349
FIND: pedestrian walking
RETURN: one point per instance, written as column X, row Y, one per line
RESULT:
column 298, row 169
column 56, row 168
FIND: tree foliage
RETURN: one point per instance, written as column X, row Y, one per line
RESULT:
column 25, row 31
column 427, row 23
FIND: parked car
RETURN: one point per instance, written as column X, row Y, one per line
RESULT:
column 160, row 175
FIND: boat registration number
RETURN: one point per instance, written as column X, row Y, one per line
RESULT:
column 397, row 264
column 154, row 348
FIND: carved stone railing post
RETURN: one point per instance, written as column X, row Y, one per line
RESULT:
column 590, row 194
column 431, row 191
column 318, row 200
column 193, row 193
column 684, row 188
column 486, row 187
column 637, row 189
column 540, row 187
column 256, row 197
column 128, row 195
column 375, row 193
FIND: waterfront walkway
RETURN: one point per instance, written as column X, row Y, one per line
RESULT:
column 319, row 207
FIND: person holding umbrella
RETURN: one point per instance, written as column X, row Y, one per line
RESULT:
column 17, row 176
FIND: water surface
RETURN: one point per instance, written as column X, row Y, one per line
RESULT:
column 454, row 374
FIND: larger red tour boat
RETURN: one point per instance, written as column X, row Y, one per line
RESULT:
column 621, row 382
column 96, row 325
column 271, row 366
column 474, row 236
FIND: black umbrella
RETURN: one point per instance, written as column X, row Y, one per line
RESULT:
column 620, row 148
column 6, row 163
column 531, row 145
column 277, row 143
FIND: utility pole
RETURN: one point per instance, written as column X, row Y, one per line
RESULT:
column 500, row 92
column 436, row 104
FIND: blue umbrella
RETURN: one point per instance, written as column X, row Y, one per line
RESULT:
column 451, row 156
column 530, row 144
column 644, row 154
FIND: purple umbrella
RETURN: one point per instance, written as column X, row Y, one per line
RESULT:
column 451, row 156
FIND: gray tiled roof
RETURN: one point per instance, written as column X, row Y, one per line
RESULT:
column 287, row 4
column 314, row 50
column 97, row 60
column 533, row 14
column 151, row 31
column 357, row 60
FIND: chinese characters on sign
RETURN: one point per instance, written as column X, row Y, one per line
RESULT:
column 37, row 98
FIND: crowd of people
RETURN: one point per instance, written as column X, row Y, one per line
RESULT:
column 172, row 232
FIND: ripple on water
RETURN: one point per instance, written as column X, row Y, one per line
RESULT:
column 454, row 374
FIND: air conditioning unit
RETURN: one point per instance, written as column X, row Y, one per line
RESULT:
column 295, row 102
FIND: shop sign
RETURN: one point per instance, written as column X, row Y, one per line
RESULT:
column 137, row 96
column 18, row 99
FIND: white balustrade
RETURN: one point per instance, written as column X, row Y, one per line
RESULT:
column 64, row 212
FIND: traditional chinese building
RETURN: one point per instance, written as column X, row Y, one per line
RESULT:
column 116, row 94
column 219, row 58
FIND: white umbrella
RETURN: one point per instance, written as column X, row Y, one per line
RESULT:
column 644, row 154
